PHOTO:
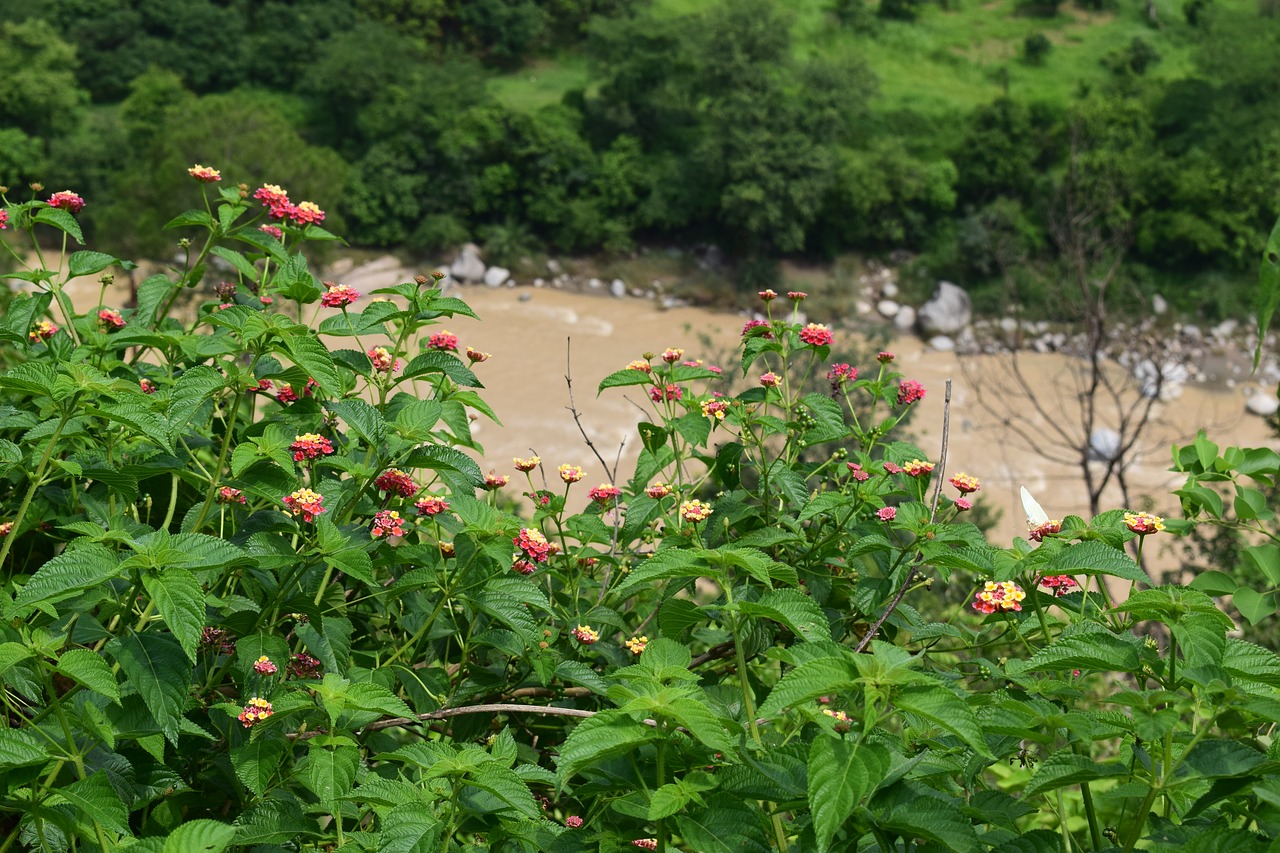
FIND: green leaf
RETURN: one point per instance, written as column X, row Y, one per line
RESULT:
column 727, row 825
column 668, row 563
column 1268, row 289
column 273, row 822
column 1097, row 650
column 311, row 355
column 61, row 220
column 607, row 735
column 810, row 680
column 504, row 784
column 1215, row 758
column 364, row 420
column 180, row 599
column 622, row 378
column 95, row 796
column 837, row 782
column 237, row 260
column 1253, row 605
column 200, row 836
column 435, row 361
column 437, row 457
column 190, row 217
column 189, row 393
column 258, row 762
column 88, row 263
column 794, row 609
column 20, row 748
column 65, row 576
column 1095, row 558
column 936, row 820
column 409, row 829
column 88, row 668
column 329, row 773
column 944, row 709
column 1065, row 768
column 156, row 667
column 1214, row 583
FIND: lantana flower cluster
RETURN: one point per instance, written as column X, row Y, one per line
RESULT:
column 1002, row 597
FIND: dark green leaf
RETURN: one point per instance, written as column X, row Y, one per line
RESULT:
column 837, row 782
column 311, row 355
column 88, row 668
column 88, row 263
column 180, row 599
column 156, row 668
column 257, row 762
column 65, row 576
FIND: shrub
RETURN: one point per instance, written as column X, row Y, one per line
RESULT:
column 1036, row 48
column 256, row 594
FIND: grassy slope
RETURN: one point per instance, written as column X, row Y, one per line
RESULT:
column 947, row 60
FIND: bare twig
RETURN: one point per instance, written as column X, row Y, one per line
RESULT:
column 445, row 713
column 573, row 409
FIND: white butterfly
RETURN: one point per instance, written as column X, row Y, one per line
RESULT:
column 1036, row 515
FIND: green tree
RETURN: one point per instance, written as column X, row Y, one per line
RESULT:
column 40, row 96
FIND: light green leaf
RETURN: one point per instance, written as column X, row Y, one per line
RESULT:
column 200, row 836
column 88, row 668
column 668, row 563
column 434, row 361
column 504, row 784
column 95, row 796
column 156, row 667
column 311, row 355
column 607, row 735
column 944, row 709
column 810, row 680
column 727, row 825
column 1095, row 558
column 61, row 220
column 794, row 609
column 88, row 263
column 837, row 782
column 330, row 773
column 65, row 576
column 180, row 599
column 258, row 762
column 20, row 748
column 1065, row 768
column 437, row 457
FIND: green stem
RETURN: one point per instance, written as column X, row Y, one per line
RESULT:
column 36, row 481
column 222, row 458
column 173, row 503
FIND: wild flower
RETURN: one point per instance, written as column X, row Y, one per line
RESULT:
column 432, row 505
column 636, row 645
column 110, row 320
column 264, row 666
column 965, row 483
column 917, row 468
column 658, row 491
column 306, row 503
column 475, row 356
column 585, row 634
column 255, row 710
column 443, row 340
column 532, row 544
column 387, row 523
column 397, row 482
column 338, row 295
column 382, row 361
column 909, row 391
column 695, row 511
column 526, row 465
column 570, row 473
column 1143, row 523
column 604, row 493
column 204, row 174
column 770, row 380
column 228, row 495
column 67, row 200
column 310, row 445
column 887, row 513
column 1001, row 597
column 816, row 335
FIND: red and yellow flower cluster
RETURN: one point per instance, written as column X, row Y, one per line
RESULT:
column 255, row 710
column 306, row 503
column 999, row 597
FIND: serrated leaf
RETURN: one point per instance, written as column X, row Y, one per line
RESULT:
column 190, row 217
column 236, row 260
column 409, row 829
column 606, row 735
column 200, row 836
column 1268, row 289
column 311, row 355
column 88, row 668
column 437, row 457
column 19, row 748
column 794, row 609
column 61, row 220
column 96, row 797
column 1095, row 558
column 366, row 696
column 1094, row 650
column 258, row 762
column 156, row 667
column 1065, row 768
column 66, row 575
column 88, row 263
column 623, row 378
column 435, row 361
column 668, row 563
column 504, row 784
column 180, row 600
column 362, row 419
column 330, row 773
column 193, row 388
column 837, row 782
column 936, row 820
column 725, row 826
column 273, row 822
column 576, row 672
column 809, row 680
column 944, row 709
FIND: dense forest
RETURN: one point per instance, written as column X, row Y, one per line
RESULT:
column 771, row 129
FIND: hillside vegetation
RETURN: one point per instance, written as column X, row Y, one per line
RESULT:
column 996, row 141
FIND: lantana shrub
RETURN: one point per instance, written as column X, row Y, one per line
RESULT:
column 257, row 595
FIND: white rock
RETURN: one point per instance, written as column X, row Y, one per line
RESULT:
column 468, row 266
column 942, row 343
column 618, row 288
column 1008, row 325
column 1104, row 444
column 496, row 276
column 1159, row 305
column 862, row 308
column 1192, row 333
column 947, row 312
column 537, row 282
column 1262, row 404
column 890, row 290
column 553, row 267
column 905, row 318
column 887, row 308
column 595, row 284
column 1226, row 328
